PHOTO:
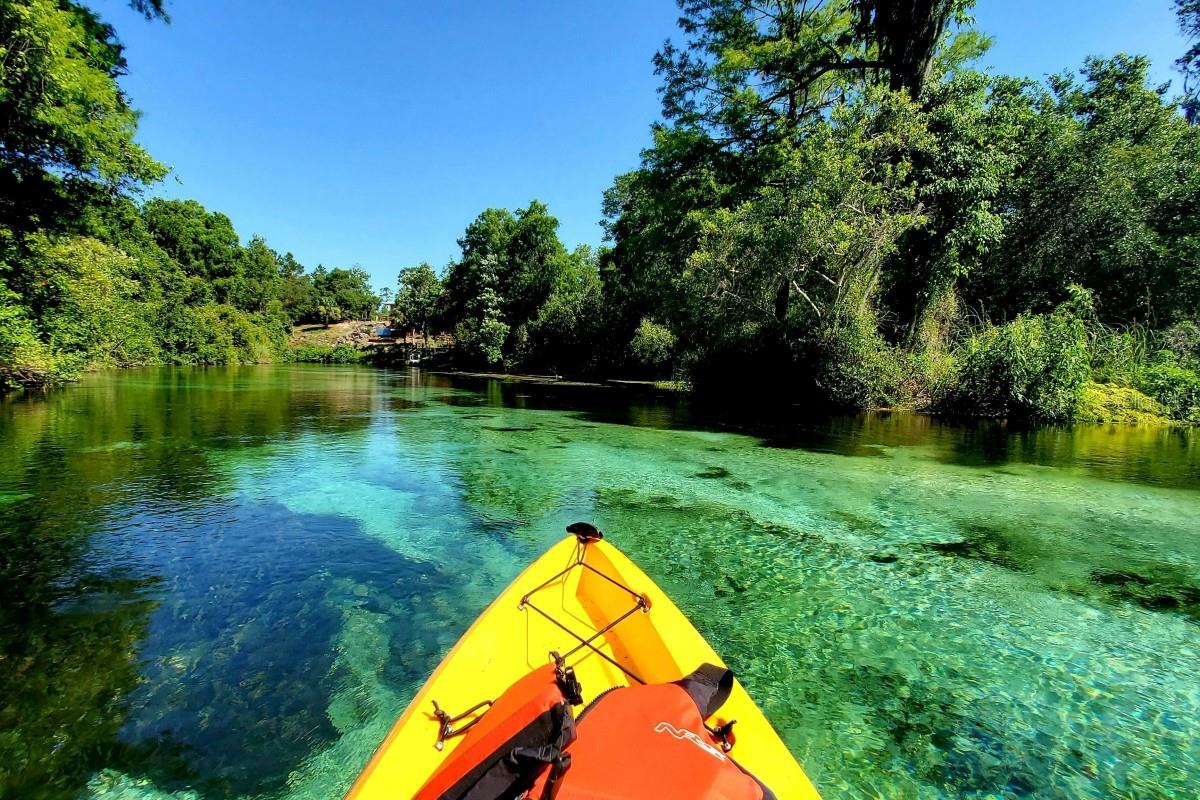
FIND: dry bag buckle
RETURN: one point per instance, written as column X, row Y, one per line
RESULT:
column 446, row 722
column 565, row 677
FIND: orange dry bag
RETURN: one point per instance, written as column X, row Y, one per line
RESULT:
column 521, row 736
column 651, row 742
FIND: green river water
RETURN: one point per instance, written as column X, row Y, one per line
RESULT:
column 229, row 582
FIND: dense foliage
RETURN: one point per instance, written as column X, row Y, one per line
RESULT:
column 91, row 277
column 838, row 200
column 517, row 295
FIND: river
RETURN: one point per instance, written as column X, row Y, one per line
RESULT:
column 228, row 582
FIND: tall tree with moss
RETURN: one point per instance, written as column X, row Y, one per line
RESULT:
column 770, row 204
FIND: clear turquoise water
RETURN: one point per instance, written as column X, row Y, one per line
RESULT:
column 228, row 582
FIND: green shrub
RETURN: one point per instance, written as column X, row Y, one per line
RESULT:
column 215, row 334
column 323, row 354
column 933, row 364
column 23, row 356
column 1034, row 367
column 1110, row 403
column 565, row 333
column 482, row 341
column 1118, row 355
column 1176, row 387
column 1183, row 340
column 653, row 345
column 858, row 368
column 87, row 302
column 18, row 336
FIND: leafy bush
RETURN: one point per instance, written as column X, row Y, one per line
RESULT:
column 1104, row 402
column 564, row 334
column 1118, row 355
column 87, row 302
column 1162, row 365
column 482, row 341
column 22, row 354
column 858, row 369
column 215, row 334
column 1034, row 367
column 933, row 348
column 322, row 354
column 1183, row 340
column 653, row 345
column 1176, row 387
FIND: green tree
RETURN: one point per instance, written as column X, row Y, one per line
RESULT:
column 343, row 294
column 24, row 358
column 417, row 297
column 294, row 289
column 653, row 345
column 86, row 303
column 791, row 272
column 781, row 193
column 90, row 277
column 203, row 243
column 750, row 73
column 568, row 331
column 61, row 109
column 481, row 333
column 66, row 127
column 1101, row 198
column 512, row 266
column 903, row 36
column 484, row 246
column 979, row 129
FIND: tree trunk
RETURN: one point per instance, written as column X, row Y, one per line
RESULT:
column 783, row 301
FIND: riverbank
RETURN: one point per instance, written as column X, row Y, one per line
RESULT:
column 1101, row 404
column 677, row 387
column 338, row 344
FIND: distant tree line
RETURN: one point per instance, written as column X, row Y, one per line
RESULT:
column 89, row 276
column 840, row 203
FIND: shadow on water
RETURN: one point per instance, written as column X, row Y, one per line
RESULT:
column 96, row 621
column 1158, row 456
column 238, row 671
column 1164, row 588
column 987, row 543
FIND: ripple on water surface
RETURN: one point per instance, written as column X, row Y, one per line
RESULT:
column 229, row 582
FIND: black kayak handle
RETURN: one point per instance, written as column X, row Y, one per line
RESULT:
column 585, row 532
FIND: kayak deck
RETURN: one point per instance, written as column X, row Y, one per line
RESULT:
column 556, row 605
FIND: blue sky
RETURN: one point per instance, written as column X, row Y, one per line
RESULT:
column 372, row 132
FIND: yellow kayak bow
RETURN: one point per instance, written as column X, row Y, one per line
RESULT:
column 585, row 600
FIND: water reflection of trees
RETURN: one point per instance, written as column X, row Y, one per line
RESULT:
column 80, row 462
column 1146, row 454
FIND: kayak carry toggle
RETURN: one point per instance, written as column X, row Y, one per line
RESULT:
column 446, row 722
